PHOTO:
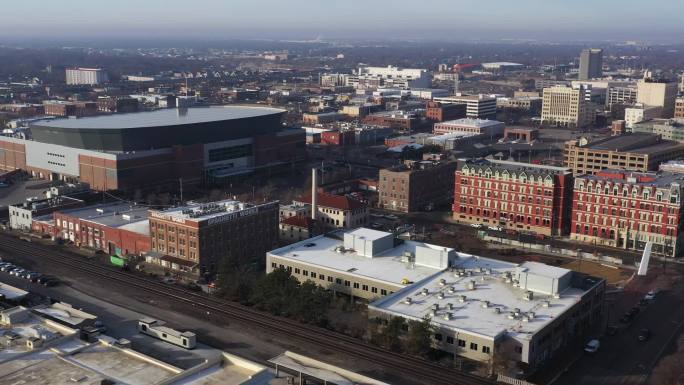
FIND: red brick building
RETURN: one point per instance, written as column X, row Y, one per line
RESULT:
column 338, row 138
column 117, row 229
column 439, row 112
column 628, row 209
column 514, row 196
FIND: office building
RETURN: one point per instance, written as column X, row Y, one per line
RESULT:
column 201, row 236
column 117, row 229
column 390, row 77
column 361, row 263
column 639, row 113
column 658, row 93
column 530, row 104
column 154, row 149
column 625, row 96
column 296, row 228
column 629, row 209
column 69, row 109
column 86, row 76
column 567, row 107
column 633, row 152
column 416, row 185
column 591, row 64
column 490, row 311
column 477, row 106
column 679, row 108
column 440, row 112
column 512, row 195
column 399, row 120
column 470, row 126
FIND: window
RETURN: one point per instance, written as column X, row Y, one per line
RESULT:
column 297, row 271
column 450, row 340
column 356, row 285
column 305, row 273
column 347, row 283
column 313, row 275
column 365, row 287
column 473, row 346
column 485, row 349
column 330, row 279
column 438, row 337
column 383, row 292
column 461, row 343
column 374, row 290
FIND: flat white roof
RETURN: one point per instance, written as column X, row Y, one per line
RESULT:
column 321, row 370
column 11, row 292
column 385, row 267
column 195, row 211
column 472, row 316
column 471, row 122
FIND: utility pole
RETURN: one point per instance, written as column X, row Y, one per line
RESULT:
column 180, row 181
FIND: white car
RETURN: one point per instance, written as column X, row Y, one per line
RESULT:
column 650, row 296
column 494, row 228
column 475, row 225
column 592, row 346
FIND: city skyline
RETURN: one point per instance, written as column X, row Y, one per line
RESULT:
column 307, row 19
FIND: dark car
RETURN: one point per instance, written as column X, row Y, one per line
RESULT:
column 45, row 278
column 644, row 334
column 612, row 330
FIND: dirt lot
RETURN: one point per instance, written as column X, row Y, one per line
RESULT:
column 612, row 275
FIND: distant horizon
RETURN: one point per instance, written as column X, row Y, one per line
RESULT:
column 439, row 20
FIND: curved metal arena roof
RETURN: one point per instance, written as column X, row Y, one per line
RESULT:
column 160, row 129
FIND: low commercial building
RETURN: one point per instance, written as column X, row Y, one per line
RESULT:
column 296, row 228
column 633, row 152
column 400, row 120
column 362, row 263
column 489, row 310
column 64, row 109
column 668, row 129
column 521, row 134
column 21, row 215
column 203, row 235
column 468, row 125
column 117, row 229
column 440, row 112
column 416, row 185
column 118, row 104
column 630, row 209
column 322, row 118
column 338, row 138
column 337, row 211
column 512, row 195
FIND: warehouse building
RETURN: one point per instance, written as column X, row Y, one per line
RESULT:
column 489, row 310
column 199, row 236
column 362, row 263
column 155, row 148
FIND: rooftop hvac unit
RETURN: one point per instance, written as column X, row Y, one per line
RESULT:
column 448, row 316
column 462, row 298
column 497, row 310
column 485, row 304
column 442, row 282
column 471, row 285
column 511, row 315
column 556, row 295
column 408, row 300
column 126, row 217
column 531, row 315
column 451, row 290
column 528, row 295
column 433, row 313
column 450, row 306
column 546, row 304
column 425, row 291
column 516, row 311
column 440, row 296
column 435, row 306
column 100, row 210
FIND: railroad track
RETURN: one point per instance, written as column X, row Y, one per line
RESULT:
column 431, row 372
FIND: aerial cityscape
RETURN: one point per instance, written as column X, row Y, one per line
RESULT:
column 298, row 192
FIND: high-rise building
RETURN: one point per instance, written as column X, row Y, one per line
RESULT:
column 658, row 93
column 567, row 107
column 477, row 106
column 591, row 64
column 85, row 76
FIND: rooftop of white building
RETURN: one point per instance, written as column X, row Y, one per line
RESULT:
column 490, row 298
column 479, row 123
column 371, row 254
column 197, row 212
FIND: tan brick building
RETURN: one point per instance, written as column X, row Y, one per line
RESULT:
column 416, row 185
column 206, row 234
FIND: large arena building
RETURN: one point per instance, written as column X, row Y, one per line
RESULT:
column 156, row 148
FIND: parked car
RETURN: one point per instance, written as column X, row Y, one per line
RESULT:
column 651, row 295
column 494, row 228
column 592, row 346
column 476, row 225
column 50, row 282
column 33, row 277
column 644, row 335
column 7, row 268
column 17, row 272
column 45, row 278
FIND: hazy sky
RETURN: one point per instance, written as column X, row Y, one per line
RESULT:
column 449, row 19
